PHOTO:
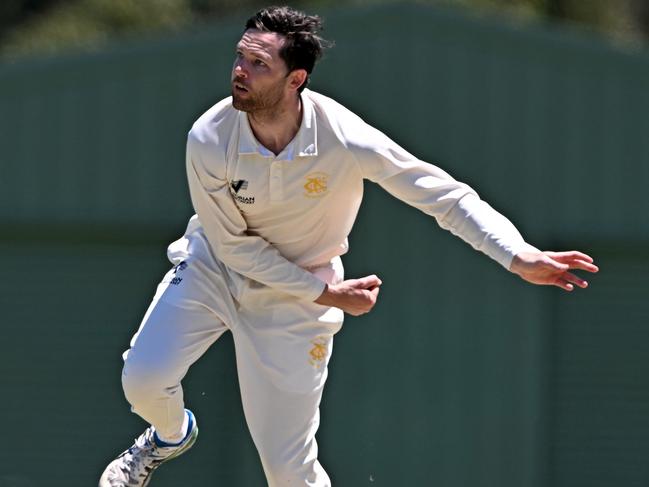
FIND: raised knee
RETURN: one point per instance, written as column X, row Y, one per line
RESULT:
column 143, row 381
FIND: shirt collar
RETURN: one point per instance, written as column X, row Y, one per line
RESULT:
column 304, row 144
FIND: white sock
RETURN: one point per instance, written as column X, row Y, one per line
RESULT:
column 180, row 436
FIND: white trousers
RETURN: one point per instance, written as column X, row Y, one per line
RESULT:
column 282, row 346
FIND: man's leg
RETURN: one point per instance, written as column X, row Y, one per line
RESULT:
column 186, row 316
column 282, row 356
column 170, row 340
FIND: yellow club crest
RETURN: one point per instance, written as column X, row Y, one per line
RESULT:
column 316, row 185
column 318, row 354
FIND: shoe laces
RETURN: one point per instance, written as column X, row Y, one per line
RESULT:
column 140, row 459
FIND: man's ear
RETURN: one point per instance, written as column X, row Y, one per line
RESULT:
column 296, row 78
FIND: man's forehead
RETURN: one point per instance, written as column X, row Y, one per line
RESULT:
column 260, row 40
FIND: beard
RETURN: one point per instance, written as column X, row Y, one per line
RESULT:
column 254, row 102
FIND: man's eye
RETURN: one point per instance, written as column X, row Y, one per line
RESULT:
column 259, row 62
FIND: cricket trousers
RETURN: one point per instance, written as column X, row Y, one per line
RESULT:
column 282, row 345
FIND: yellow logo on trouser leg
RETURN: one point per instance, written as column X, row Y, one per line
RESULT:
column 318, row 354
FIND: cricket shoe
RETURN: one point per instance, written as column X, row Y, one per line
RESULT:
column 135, row 466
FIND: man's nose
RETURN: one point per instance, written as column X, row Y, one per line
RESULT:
column 239, row 71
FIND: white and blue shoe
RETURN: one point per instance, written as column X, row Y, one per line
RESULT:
column 135, row 466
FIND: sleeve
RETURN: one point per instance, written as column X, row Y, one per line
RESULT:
column 226, row 231
column 454, row 205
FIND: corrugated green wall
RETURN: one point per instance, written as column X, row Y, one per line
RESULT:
column 461, row 376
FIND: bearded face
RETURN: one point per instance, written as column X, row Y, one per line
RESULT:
column 259, row 75
column 251, row 99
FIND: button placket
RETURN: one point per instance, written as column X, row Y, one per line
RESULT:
column 276, row 183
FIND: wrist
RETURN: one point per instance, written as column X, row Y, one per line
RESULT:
column 325, row 296
column 515, row 263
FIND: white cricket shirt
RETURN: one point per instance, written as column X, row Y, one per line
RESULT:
column 272, row 218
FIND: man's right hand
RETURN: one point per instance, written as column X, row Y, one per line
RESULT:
column 353, row 296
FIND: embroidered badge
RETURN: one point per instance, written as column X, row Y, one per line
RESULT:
column 318, row 354
column 316, row 185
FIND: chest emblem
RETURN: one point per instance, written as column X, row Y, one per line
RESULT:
column 236, row 186
column 316, row 185
column 239, row 184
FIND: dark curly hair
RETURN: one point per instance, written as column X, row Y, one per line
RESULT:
column 303, row 46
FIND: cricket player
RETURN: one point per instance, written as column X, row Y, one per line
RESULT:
column 276, row 179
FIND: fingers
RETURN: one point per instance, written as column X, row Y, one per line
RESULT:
column 571, row 255
column 585, row 266
column 372, row 295
column 574, row 279
column 364, row 302
column 565, row 285
column 575, row 260
column 556, row 264
column 368, row 282
column 567, row 281
column 353, row 296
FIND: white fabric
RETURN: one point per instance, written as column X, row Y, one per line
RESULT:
column 283, row 345
column 267, row 216
column 267, row 237
column 179, row 436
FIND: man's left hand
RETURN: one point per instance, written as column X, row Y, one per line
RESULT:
column 553, row 268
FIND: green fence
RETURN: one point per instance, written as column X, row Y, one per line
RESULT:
column 462, row 376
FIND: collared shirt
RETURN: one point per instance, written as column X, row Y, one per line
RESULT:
column 273, row 217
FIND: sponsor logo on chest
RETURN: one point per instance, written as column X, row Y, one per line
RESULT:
column 236, row 186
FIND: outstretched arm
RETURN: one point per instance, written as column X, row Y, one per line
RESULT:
column 457, row 208
column 553, row 268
